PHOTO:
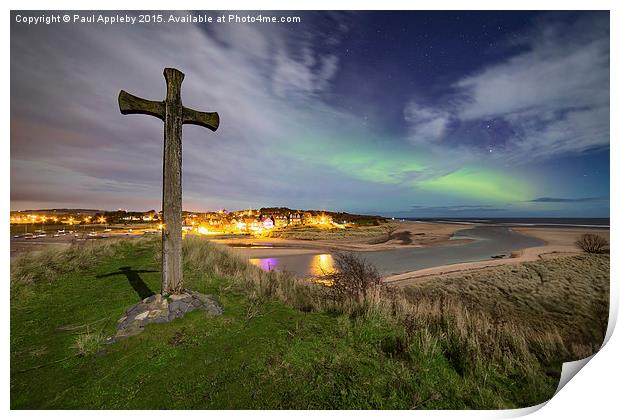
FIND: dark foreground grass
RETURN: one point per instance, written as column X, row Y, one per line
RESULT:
column 262, row 353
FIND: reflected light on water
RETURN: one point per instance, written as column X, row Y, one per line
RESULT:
column 266, row 264
column 313, row 265
column 322, row 264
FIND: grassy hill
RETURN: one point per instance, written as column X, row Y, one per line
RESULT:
column 280, row 343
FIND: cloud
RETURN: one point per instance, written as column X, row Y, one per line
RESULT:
column 306, row 78
column 426, row 124
column 91, row 152
column 552, row 95
column 569, row 200
column 547, row 78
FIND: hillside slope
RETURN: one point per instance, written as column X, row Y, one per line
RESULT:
column 280, row 343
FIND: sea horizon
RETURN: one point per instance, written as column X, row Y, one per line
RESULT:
column 593, row 222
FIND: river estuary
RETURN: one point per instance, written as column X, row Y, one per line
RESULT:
column 486, row 243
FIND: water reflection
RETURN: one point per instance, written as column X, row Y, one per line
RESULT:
column 322, row 264
column 266, row 264
column 250, row 246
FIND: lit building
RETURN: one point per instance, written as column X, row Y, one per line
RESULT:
column 280, row 220
column 253, row 224
column 295, row 219
column 268, row 223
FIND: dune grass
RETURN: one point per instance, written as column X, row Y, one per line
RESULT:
column 567, row 296
column 281, row 342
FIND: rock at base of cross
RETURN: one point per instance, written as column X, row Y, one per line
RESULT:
column 157, row 309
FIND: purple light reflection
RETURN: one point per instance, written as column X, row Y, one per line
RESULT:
column 266, row 264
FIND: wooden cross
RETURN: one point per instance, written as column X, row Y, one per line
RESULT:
column 172, row 112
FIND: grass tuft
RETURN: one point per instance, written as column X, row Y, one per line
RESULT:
column 88, row 343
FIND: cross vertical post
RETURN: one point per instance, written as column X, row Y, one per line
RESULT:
column 172, row 112
column 172, row 235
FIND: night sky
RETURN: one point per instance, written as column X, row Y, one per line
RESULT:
column 427, row 114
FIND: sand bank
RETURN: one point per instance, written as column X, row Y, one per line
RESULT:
column 406, row 234
column 558, row 242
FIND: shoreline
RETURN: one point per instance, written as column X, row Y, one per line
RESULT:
column 559, row 242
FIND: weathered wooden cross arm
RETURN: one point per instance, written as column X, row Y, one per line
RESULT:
column 131, row 104
column 210, row 120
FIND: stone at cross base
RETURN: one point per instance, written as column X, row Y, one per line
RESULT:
column 172, row 112
column 157, row 309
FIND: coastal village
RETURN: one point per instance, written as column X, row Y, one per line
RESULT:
column 221, row 222
column 257, row 221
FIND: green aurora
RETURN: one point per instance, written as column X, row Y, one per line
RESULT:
column 416, row 169
column 483, row 184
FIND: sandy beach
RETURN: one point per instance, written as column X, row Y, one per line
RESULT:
column 559, row 242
